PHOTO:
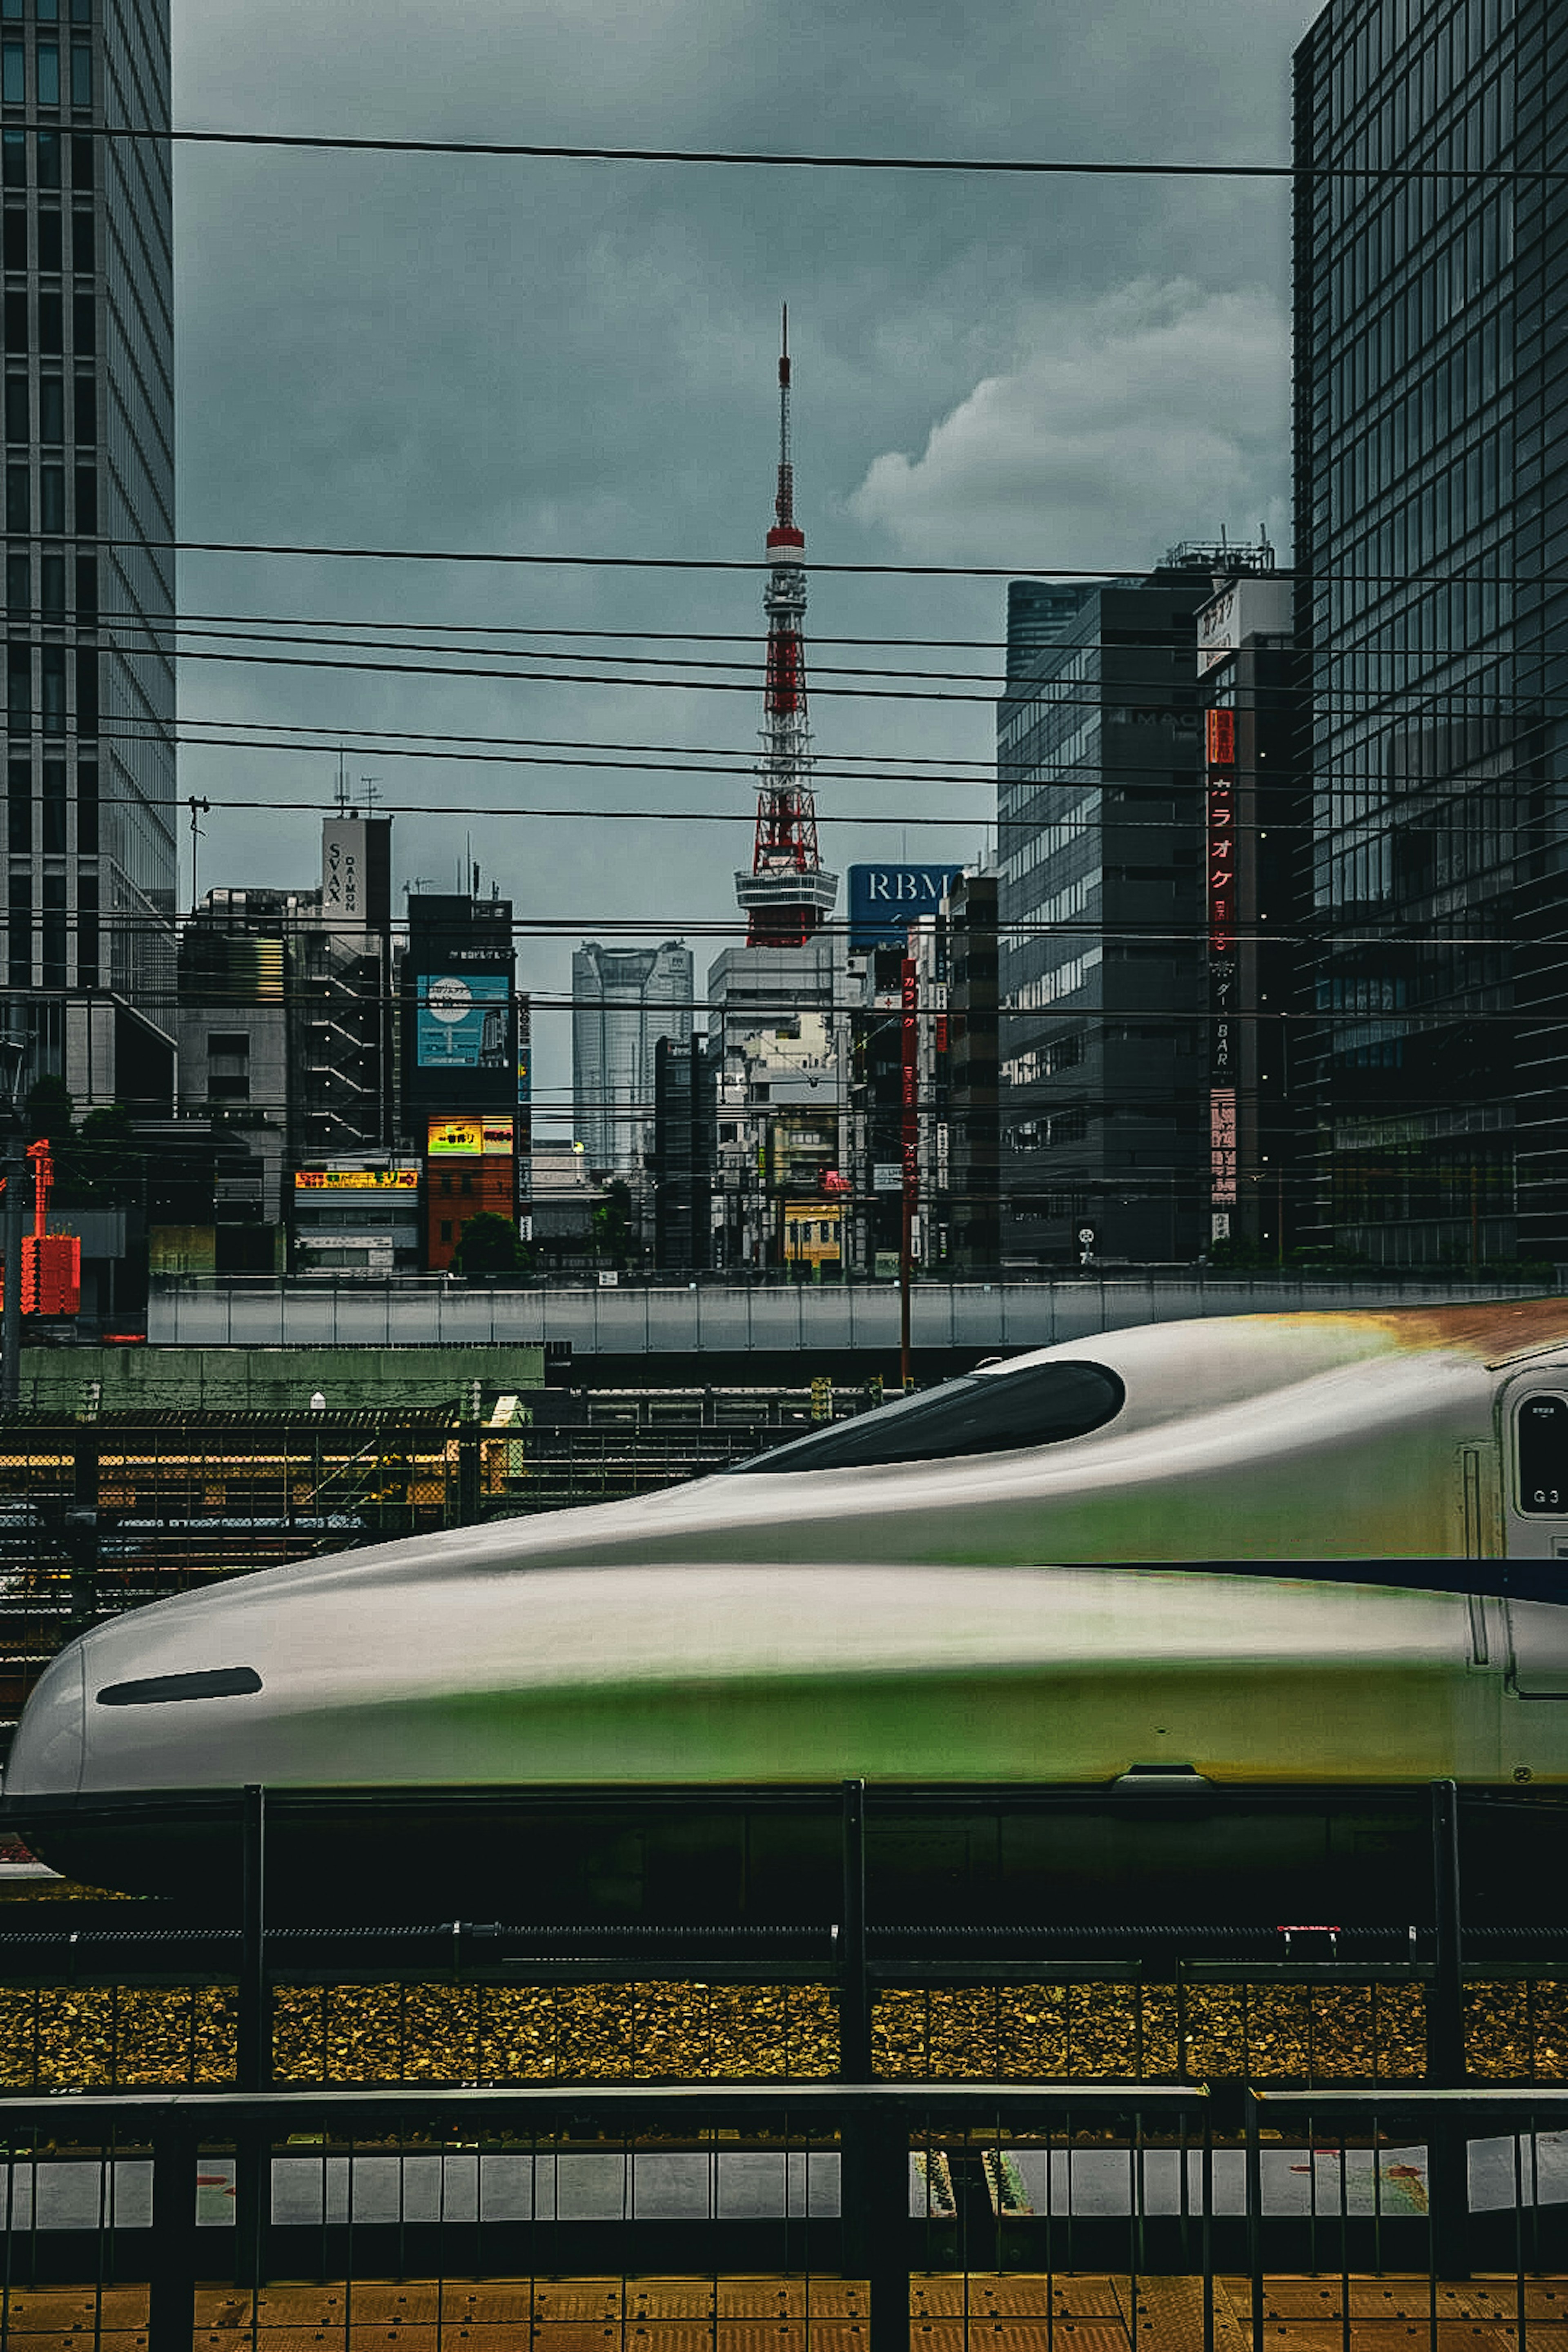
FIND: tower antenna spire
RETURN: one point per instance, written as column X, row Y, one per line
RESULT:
column 786, row 894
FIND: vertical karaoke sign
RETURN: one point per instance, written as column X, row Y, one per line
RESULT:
column 1221, row 871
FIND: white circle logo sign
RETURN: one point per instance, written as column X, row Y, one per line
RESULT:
column 449, row 999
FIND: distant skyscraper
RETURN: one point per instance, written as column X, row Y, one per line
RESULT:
column 1431, row 508
column 623, row 1001
column 90, row 569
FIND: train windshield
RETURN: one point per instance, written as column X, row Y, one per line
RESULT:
column 993, row 1413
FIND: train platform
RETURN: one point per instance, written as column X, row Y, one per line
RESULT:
column 808, row 2312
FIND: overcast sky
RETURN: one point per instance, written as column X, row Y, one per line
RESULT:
column 462, row 353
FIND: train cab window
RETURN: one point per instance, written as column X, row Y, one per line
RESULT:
column 1543, row 1457
column 159, row 1690
column 993, row 1413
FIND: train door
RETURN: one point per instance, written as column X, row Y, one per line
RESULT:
column 1533, row 1410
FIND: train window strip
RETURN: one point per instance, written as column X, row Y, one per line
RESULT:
column 161, row 1690
column 989, row 1412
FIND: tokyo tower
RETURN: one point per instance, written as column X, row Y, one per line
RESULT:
column 786, row 895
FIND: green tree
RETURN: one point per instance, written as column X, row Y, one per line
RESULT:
column 612, row 1234
column 49, row 1112
column 489, row 1244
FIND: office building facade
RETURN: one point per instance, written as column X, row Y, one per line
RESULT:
column 624, row 1000
column 1099, row 902
column 89, row 950
column 1432, row 519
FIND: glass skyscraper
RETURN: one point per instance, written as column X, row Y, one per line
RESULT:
column 624, row 1000
column 1432, row 550
column 88, row 331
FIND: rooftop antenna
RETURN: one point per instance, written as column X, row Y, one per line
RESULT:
column 343, row 781
column 371, row 787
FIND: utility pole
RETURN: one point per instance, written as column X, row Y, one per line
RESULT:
column 12, row 1209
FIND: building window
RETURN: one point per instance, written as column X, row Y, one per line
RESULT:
column 48, row 159
column 13, row 159
column 86, row 694
column 47, row 12
column 51, row 328
column 52, row 697
column 446, row 1229
column 87, row 810
column 13, row 73
column 21, row 965
column 53, row 929
column 52, row 591
column 84, row 242
column 85, row 325
column 17, row 324
column 50, row 240
column 18, row 501
column 19, row 421
column 51, row 497
column 54, row 808
column 86, row 417
column 87, row 931
column 48, row 73
column 52, row 411
column 82, row 161
column 87, row 587
column 11, row 10
column 81, row 12
column 81, row 73
column 86, row 499
column 14, row 247
column 18, row 583
column 19, row 807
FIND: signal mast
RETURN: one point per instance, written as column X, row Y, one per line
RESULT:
column 787, row 894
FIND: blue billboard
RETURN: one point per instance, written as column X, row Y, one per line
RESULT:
column 463, row 1021
column 885, row 900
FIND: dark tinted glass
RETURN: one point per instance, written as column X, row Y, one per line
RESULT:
column 989, row 1413
column 158, row 1690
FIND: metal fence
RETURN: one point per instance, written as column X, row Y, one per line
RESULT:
column 1074, row 2220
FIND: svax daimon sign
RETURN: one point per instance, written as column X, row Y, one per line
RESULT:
column 885, row 900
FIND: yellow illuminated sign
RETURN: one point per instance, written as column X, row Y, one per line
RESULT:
column 356, row 1179
column 468, row 1139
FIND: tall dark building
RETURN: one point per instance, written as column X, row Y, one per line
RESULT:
column 464, row 1087
column 87, row 336
column 1431, row 506
column 1258, row 860
column 1100, row 903
column 974, row 1227
column 684, row 1152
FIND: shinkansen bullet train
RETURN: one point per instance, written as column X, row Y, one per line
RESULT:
column 1304, row 1549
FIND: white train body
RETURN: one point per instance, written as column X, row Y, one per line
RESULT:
column 1062, row 1610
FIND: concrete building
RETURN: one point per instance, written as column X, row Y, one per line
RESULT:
column 1431, row 504
column 88, row 909
column 287, row 1035
column 624, row 1000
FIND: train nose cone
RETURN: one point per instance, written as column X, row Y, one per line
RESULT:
column 50, row 1746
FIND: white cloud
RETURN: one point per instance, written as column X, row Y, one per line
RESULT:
column 1153, row 415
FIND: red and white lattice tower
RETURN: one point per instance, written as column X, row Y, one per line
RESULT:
column 786, row 895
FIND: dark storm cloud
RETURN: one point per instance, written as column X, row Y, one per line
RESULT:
column 451, row 353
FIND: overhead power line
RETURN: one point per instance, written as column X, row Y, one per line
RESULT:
column 1143, row 576
column 796, row 159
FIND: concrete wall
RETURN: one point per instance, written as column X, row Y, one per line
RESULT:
column 713, row 1317
column 261, row 1379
